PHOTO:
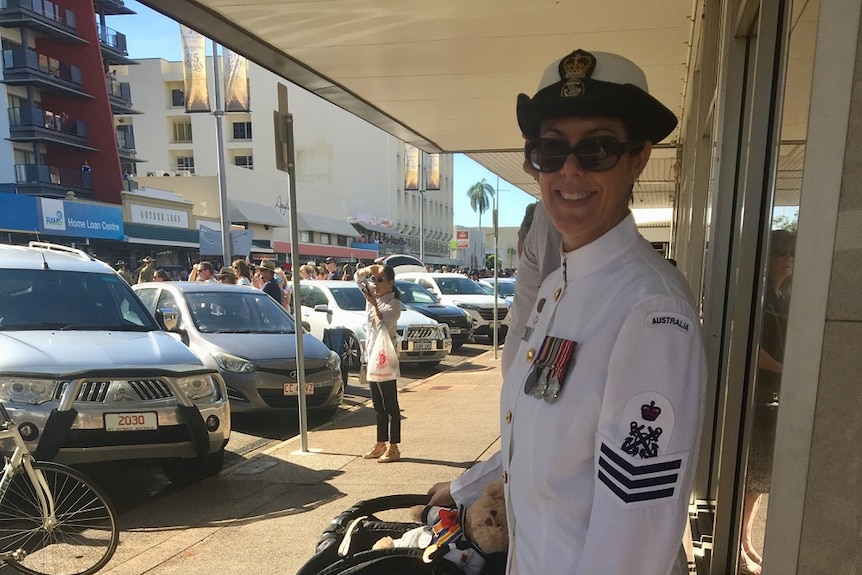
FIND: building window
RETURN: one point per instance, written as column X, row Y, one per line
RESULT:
column 178, row 98
column 244, row 162
column 182, row 131
column 242, row 130
column 342, row 240
column 305, row 237
column 186, row 164
column 324, row 238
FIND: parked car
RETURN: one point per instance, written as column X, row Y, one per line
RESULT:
column 461, row 291
column 88, row 375
column 341, row 305
column 417, row 298
column 250, row 339
column 505, row 288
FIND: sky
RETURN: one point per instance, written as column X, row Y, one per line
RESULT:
column 152, row 35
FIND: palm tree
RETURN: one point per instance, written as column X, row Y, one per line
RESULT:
column 481, row 194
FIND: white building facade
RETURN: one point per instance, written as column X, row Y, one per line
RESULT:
column 349, row 174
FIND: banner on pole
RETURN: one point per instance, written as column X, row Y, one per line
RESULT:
column 411, row 167
column 236, row 97
column 195, row 70
column 432, row 171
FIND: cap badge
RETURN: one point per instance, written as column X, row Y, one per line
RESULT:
column 573, row 69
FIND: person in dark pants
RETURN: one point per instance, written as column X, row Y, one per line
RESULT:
column 383, row 309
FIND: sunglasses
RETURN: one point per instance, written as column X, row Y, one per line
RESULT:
column 595, row 154
column 377, row 279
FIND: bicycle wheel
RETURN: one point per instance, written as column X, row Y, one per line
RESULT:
column 84, row 538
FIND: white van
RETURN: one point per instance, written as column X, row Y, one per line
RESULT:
column 461, row 291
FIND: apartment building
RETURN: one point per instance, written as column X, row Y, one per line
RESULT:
column 57, row 140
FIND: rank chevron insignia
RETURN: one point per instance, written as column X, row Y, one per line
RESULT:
column 631, row 481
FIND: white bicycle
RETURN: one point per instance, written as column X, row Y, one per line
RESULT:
column 53, row 519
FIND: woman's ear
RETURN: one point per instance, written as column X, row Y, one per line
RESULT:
column 640, row 160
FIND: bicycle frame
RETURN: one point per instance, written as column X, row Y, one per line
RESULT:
column 21, row 458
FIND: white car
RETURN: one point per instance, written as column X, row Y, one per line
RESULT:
column 334, row 305
column 459, row 290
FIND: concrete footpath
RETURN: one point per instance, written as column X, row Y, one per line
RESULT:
column 265, row 515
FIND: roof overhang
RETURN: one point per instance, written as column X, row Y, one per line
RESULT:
column 444, row 76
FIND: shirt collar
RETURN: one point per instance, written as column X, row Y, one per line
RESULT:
column 598, row 253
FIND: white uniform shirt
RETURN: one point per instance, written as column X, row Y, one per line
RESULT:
column 540, row 256
column 599, row 481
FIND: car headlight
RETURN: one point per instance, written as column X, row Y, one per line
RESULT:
column 228, row 362
column 333, row 361
column 469, row 306
column 197, row 386
column 27, row 390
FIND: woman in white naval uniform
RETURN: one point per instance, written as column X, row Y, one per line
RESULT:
column 601, row 408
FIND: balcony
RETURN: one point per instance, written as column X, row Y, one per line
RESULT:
column 120, row 95
column 112, row 7
column 25, row 67
column 114, row 49
column 126, row 144
column 30, row 124
column 43, row 16
column 41, row 180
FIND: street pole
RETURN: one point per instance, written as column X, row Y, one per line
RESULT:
column 496, row 255
column 218, row 112
column 422, row 206
column 294, row 258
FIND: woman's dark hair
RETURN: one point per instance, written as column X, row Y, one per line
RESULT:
column 389, row 274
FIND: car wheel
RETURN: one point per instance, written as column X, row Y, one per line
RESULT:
column 350, row 352
column 188, row 471
column 456, row 345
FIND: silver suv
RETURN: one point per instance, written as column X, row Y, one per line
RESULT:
column 88, row 375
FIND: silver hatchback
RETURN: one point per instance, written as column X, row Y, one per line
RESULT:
column 250, row 339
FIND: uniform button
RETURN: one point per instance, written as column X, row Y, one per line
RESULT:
column 508, row 416
column 530, row 353
column 557, row 293
column 505, row 477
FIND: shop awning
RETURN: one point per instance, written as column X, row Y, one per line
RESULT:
column 378, row 229
column 315, row 223
column 252, row 213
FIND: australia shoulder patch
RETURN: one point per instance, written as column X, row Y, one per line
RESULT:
column 668, row 320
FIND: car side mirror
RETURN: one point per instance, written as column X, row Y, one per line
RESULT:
column 306, row 327
column 168, row 319
column 322, row 308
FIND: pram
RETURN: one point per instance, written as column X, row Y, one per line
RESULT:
column 344, row 547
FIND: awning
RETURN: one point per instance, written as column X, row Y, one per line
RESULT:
column 374, row 227
column 249, row 212
column 315, row 223
column 378, row 229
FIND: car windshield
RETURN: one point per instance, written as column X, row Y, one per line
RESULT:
column 43, row 299
column 460, row 286
column 503, row 288
column 349, row 297
column 412, row 293
column 249, row 311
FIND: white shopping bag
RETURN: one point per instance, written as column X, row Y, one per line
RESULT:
column 383, row 360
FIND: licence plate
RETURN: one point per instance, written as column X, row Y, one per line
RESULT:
column 454, row 330
column 147, row 420
column 293, row 389
column 422, row 345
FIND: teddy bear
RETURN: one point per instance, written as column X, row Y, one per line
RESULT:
column 465, row 537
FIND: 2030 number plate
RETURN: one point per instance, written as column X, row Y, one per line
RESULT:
column 147, row 420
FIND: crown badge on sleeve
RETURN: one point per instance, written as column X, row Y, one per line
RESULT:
column 573, row 69
column 650, row 412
